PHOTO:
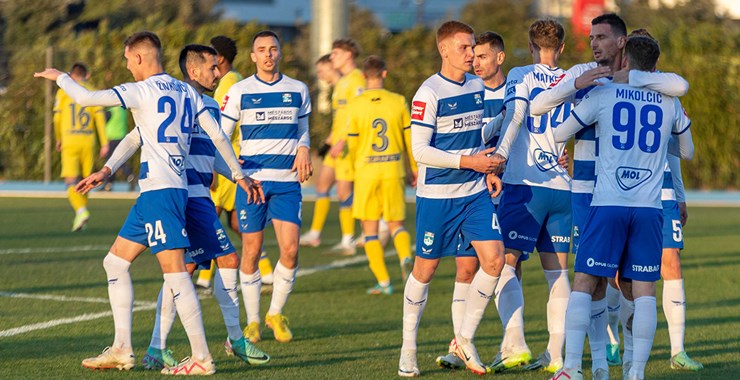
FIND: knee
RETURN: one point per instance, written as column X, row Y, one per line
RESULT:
column 670, row 268
column 230, row 261
column 465, row 274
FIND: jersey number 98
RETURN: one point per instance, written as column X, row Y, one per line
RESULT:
column 651, row 118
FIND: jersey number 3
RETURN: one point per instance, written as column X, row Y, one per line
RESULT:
column 382, row 128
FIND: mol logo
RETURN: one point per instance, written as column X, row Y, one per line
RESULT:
column 177, row 163
column 544, row 160
column 628, row 178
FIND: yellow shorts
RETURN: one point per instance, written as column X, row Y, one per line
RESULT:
column 343, row 168
column 374, row 198
column 77, row 161
column 225, row 194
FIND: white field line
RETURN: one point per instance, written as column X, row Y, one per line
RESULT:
column 138, row 304
column 81, row 248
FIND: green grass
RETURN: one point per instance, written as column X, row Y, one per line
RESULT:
column 340, row 332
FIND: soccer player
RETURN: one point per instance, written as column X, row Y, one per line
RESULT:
column 163, row 109
column 623, row 228
column 379, row 142
column 271, row 111
column 75, row 127
column 607, row 39
column 535, row 208
column 453, row 206
column 208, row 239
column 337, row 166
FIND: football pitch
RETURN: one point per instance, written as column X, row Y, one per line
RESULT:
column 54, row 307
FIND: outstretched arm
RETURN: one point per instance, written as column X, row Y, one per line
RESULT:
column 81, row 95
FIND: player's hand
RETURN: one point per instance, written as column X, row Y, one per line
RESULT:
column 104, row 151
column 411, row 178
column 253, row 188
column 494, row 185
column 49, row 73
column 480, row 162
column 337, row 149
column 621, row 76
column 302, row 164
column 93, row 180
column 564, row 160
column 501, row 162
column 684, row 212
column 59, row 146
column 590, row 77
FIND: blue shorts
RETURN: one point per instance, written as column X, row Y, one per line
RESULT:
column 627, row 239
column 157, row 220
column 581, row 203
column 282, row 202
column 535, row 217
column 208, row 239
column 445, row 227
column 672, row 229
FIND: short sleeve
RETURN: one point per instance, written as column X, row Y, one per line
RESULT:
column 129, row 94
column 513, row 80
column 230, row 106
column 424, row 108
column 682, row 120
column 305, row 109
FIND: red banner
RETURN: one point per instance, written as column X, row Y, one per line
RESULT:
column 583, row 12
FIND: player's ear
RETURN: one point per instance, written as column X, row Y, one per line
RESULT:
column 442, row 47
column 562, row 47
column 253, row 56
column 621, row 42
column 384, row 74
column 500, row 57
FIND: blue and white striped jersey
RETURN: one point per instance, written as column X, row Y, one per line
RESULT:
column 200, row 164
column 454, row 113
column 533, row 153
column 268, row 116
column 493, row 103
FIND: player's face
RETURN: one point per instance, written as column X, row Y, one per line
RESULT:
column 487, row 61
column 207, row 73
column 459, row 51
column 266, row 54
column 604, row 44
column 339, row 57
column 133, row 62
column 325, row 71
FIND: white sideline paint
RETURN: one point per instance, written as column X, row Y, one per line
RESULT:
column 139, row 305
column 81, row 248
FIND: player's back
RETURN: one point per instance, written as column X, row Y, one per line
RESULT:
column 200, row 162
column 633, row 128
column 163, row 109
column 377, row 119
column 533, row 156
column 76, row 123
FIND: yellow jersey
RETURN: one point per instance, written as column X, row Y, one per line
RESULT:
column 75, row 125
column 347, row 88
column 379, row 134
column 224, row 84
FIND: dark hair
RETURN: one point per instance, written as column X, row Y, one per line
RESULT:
column 225, row 46
column 450, row 28
column 373, row 66
column 641, row 32
column 145, row 37
column 79, row 68
column 190, row 53
column 616, row 22
column 265, row 33
column 326, row 58
column 643, row 52
column 347, row 44
column 546, row 34
column 492, row 38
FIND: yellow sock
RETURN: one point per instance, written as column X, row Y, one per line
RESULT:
column 76, row 199
column 346, row 221
column 265, row 265
column 320, row 211
column 205, row 275
column 376, row 259
column 402, row 242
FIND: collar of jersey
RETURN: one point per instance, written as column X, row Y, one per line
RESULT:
column 497, row 88
column 280, row 77
column 452, row 81
column 162, row 73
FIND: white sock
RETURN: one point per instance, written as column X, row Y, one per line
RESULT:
column 674, row 307
column 459, row 295
column 121, row 295
column 576, row 325
column 347, row 239
column 164, row 318
column 510, row 305
column 188, row 308
column 643, row 332
column 556, row 306
column 251, row 286
column 281, row 288
column 597, row 334
column 612, row 300
column 626, row 311
column 415, row 298
column 479, row 294
column 224, row 288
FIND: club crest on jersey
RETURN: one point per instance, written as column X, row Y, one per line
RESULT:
column 287, row 98
column 428, row 238
column 544, row 160
column 260, row 116
column 417, row 110
column 457, row 123
column 628, row 178
column 478, row 99
column 242, row 215
column 177, row 164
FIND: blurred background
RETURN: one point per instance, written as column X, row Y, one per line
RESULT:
column 700, row 40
